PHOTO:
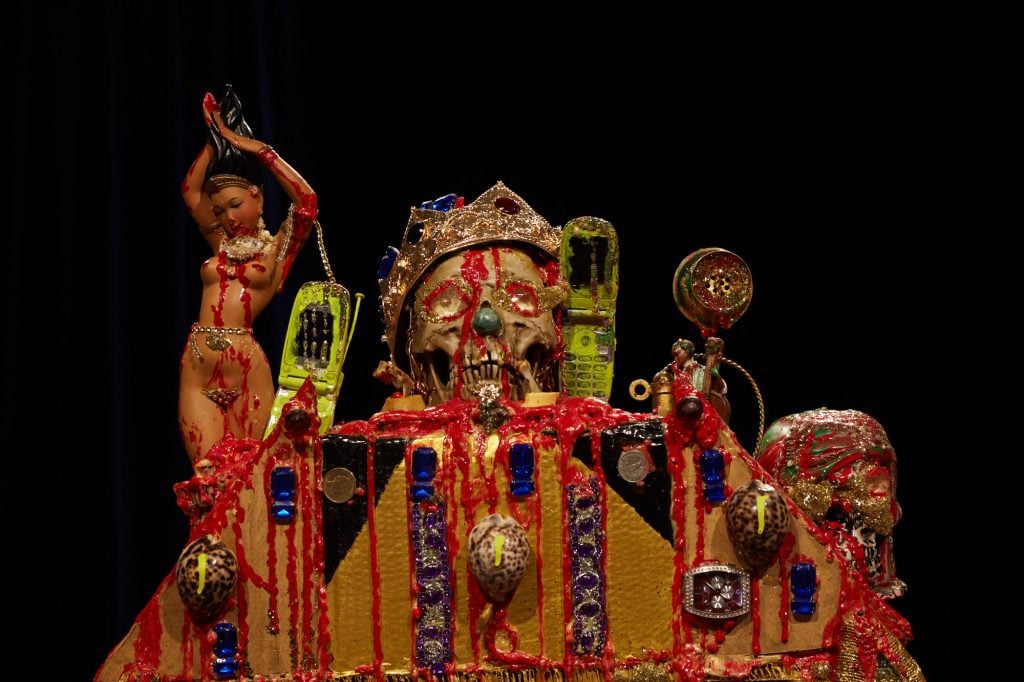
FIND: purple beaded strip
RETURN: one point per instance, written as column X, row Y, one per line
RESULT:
column 586, row 540
column 433, row 577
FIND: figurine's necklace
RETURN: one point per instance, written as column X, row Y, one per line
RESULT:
column 245, row 247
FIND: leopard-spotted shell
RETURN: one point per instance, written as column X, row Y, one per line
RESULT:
column 498, row 571
column 219, row 578
column 757, row 549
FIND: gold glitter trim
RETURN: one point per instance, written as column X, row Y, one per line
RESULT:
column 218, row 182
column 547, row 297
column 486, row 220
column 813, row 498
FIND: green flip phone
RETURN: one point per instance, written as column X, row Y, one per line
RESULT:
column 315, row 348
column 589, row 260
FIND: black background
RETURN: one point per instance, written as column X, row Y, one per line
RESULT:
column 823, row 169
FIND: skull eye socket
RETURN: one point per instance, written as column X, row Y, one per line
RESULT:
column 445, row 302
column 522, row 298
column 526, row 298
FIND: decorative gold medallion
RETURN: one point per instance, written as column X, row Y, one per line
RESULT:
column 217, row 341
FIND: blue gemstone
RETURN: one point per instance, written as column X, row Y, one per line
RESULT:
column 803, row 579
column 282, row 484
column 588, row 580
column 443, row 204
column 283, row 512
column 521, row 488
column 586, row 549
column 386, row 263
column 712, row 473
column 225, row 668
column 584, row 642
column 424, row 464
column 431, row 596
column 227, row 640
column 520, row 461
column 712, row 466
column 420, row 492
column 428, row 571
column 434, row 539
column 714, row 492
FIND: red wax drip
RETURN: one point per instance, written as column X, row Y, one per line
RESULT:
column 539, row 442
column 293, row 591
column 413, row 587
column 701, row 507
column 755, row 615
column 302, row 224
column 676, row 441
column 147, row 644
column 783, row 554
column 186, row 647
column 371, row 521
column 274, row 627
column 513, row 659
column 308, row 563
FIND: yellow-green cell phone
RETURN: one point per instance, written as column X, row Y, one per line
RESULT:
column 589, row 260
column 315, row 348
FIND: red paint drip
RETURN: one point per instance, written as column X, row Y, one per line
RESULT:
column 755, row 615
column 473, row 269
column 302, row 224
column 371, row 520
column 293, row 592
column 538, row 443
column 783, row 554
column 701, row 508
column 608, row 654
column 413, row 587
column 306, row 502
column 675, row 442
column 205, row 654
column 147, row 645
column 274, row 626
column 186, row 647
column 225, row 272
column 514, row 659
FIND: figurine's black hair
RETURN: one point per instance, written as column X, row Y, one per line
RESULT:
column 226, row 159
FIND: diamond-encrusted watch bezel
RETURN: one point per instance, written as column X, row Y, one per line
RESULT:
column 733, row 574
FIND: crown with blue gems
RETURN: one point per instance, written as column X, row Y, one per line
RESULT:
column 444, row 226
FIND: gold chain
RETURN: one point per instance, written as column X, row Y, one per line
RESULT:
column 757, row 393
column 323, row 251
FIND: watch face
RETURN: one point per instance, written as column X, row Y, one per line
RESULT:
column 717, row 591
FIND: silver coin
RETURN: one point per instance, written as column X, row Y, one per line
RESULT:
column 339, row 485
column 633, row 465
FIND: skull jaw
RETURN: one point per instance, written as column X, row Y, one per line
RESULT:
column 485, row 374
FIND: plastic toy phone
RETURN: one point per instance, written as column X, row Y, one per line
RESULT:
column 314, row 347
column 589, row 260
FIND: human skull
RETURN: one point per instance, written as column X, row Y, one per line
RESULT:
column 839, row 467
column 481, row 326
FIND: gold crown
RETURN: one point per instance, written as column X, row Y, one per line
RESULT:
column 497, row 215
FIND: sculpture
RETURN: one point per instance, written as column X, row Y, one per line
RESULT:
column 627, row 557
